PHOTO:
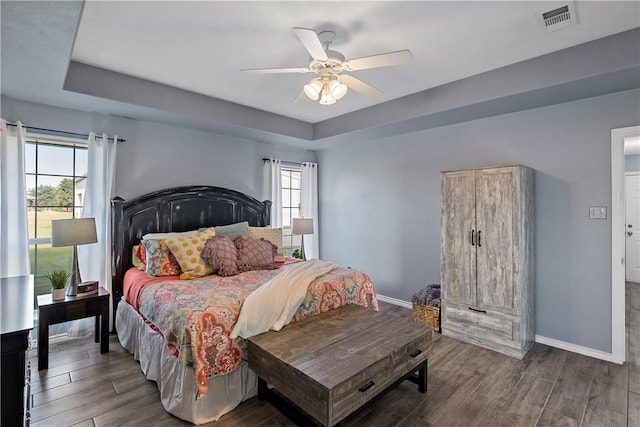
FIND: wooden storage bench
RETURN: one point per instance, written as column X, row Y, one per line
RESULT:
column 330, row 365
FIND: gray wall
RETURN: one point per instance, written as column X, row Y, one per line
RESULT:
column 380, row 205
column 158, row 156
column 380, row 198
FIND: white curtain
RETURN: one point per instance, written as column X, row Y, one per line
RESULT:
column 14, row 235
column 309, row 207
column 95, row 260
column 272, row 189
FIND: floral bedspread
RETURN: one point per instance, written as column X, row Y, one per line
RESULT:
column 196, row 316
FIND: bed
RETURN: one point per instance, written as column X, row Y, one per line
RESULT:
column 186, row 346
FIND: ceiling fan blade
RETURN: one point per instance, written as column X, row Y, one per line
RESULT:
column 382, row 60
column 359, row 86
column 301, row 96
column 311, row 42
column 276, row 70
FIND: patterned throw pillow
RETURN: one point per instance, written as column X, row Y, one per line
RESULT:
column 273, row 235
column 187, row 251
column 139, row 257
column 222, row 254
column 160, row 260
column 255, row 254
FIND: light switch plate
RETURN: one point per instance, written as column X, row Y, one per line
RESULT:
column 597, row 212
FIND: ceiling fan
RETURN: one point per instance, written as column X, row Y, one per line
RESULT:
column 331, row 84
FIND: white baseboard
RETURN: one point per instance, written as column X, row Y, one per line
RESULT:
column 585, row 351
column 395, row 301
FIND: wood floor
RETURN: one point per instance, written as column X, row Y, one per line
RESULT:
column 467, row 386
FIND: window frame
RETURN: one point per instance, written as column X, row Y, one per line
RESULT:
column 290, row 242
column 38, row 140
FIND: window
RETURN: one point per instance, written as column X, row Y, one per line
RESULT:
column 290, row 206
column 56, row 174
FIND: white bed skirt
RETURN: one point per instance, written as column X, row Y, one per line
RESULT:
column 175, row 381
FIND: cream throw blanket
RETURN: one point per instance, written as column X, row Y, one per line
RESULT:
column 273, row 304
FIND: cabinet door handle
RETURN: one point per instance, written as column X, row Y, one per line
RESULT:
column 477, row 309
column 479, row 241
column 473, row 237
column 416, row 353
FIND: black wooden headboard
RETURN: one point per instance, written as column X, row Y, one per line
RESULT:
column 175, row 209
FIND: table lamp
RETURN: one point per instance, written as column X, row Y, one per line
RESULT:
column 73, row 232
column 302, row 226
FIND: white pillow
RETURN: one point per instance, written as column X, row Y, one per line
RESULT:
column 165, row 236
column 233, row 230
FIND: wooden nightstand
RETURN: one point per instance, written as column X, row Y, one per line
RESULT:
column 72, row 308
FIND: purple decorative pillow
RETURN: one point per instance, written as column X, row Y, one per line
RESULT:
column 222, row 254
column 255, row 254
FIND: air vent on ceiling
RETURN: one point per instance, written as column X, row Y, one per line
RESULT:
column 559, row 18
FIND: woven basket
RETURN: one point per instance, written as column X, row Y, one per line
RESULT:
column 426, row 315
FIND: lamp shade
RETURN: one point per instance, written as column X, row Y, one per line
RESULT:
column 71, row 232
column 337, row 89
column 325, row 97
column 313, row 89
column 302, row 226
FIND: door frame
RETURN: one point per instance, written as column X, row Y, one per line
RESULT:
column 618, row 344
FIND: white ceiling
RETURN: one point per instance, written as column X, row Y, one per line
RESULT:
column 201, row 46
column 178, row 62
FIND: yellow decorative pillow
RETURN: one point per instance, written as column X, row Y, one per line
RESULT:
column 186, row 250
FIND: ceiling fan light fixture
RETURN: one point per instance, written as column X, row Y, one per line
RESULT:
column 313, row 89
column 327, row 64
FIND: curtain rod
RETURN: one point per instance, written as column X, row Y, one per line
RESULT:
column 284, row 162
column 62, row 132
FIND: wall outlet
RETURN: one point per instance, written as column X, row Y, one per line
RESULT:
column 597, row 212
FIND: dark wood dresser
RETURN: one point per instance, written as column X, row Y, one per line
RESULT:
column 16, row 320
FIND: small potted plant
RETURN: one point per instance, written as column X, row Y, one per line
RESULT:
column 58, row 280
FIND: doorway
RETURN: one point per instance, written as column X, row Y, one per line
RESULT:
column 618, row 240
